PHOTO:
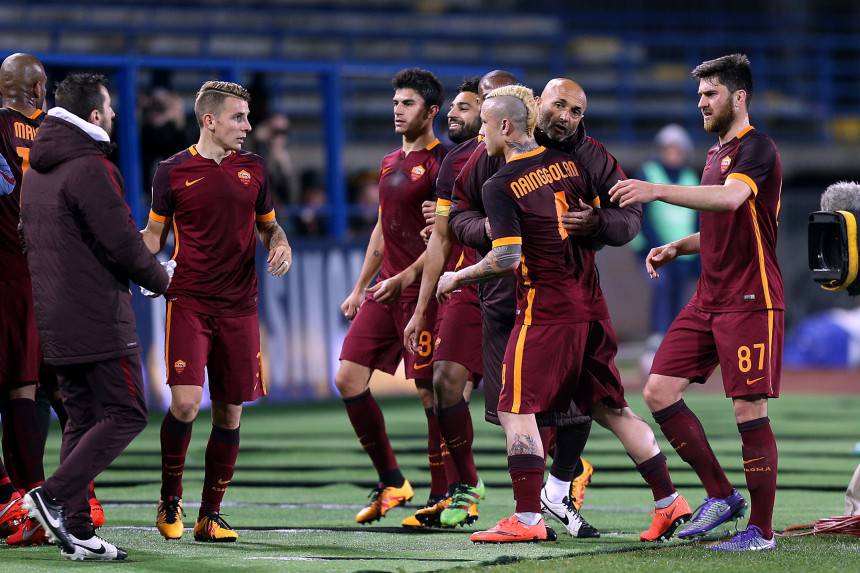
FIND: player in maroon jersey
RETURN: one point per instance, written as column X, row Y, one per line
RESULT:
column 379, row 314
column 735, row 319
column 215, row 196
column 457, row 346
column 558, row 302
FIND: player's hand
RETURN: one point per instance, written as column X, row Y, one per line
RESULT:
column 632, row 191
column 169, row 268
column 428, row 209
column 387, row 291
column 280, row 259
column 425, row 233
column 349, row 307
column 659, row 256
column 412, row 331
column 448, row 283
column 581, row 221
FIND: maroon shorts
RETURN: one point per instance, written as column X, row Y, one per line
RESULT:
column 746, row 345
column 542, row 367
column 458, row 334
column 600, row 380
column 19, row 338
column 227, row 346
column 375, row 339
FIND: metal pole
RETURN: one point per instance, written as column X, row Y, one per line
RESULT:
column 129, row 141
column 335, row 139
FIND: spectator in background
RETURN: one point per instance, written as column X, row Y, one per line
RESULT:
column 269, row 140
column 311, row 218
column 663, row 223
column 164, row 130
column 365, row 197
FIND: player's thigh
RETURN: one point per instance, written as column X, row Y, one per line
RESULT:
column 187, row 341
column 458, row 337
column 19, row 338
column 235, row 361
column 750, row 351
column 688, row 352
column 373, row 340
column 417, row 365
column 495, row 333
column 542, row 367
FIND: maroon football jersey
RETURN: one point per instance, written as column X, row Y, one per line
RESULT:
column 17, row 133
column 214, row 209
column 451, row 166
column 738, row 248
column 406, row 181
column 557, row 279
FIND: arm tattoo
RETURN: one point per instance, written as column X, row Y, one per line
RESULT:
column 499, row 261
column 376, row 253
column 272, row 234
column 523, row 444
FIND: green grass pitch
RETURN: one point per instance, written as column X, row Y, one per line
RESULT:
column 302, row 476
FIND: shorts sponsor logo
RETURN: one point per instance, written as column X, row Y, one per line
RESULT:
column 725, row 164
column 417, row 172
column 244, row 177
column 179, row 366
column 754, row 380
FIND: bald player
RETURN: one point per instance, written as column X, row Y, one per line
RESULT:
column 562, row 107
column 23, row 85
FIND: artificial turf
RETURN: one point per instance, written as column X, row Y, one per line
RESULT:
column 302, row 476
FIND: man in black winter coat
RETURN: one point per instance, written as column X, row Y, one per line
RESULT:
column 83, row 248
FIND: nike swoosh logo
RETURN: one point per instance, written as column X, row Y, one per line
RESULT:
column 100, row 551
column 753, row 460
column 27, row 533
column 223, row 482
column 420, row 366
column 751, row 382
column 190, row 183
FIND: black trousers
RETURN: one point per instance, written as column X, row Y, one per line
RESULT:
column 107, row 410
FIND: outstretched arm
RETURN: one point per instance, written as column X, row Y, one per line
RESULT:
column 659, row 256
column 726, row 197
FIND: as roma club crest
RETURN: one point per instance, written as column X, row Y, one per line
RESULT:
column 179, row 366
column 417, row 172
column 244, row 177
column 725, row 164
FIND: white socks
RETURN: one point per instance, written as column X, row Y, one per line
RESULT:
column 556, row 490
column 528, row 517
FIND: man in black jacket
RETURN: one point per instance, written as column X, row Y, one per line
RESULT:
column 82, row 249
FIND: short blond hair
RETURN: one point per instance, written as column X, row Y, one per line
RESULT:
column 212, row 94
column 526, row 96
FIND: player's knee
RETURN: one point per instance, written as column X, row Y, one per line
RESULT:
column 654, row 395
column 185, row 409
column 348, row 385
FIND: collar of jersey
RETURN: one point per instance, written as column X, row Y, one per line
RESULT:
column 528, row 154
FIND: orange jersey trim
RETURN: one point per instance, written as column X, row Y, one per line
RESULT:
column 157, row 218
column 192, row 150
column 505, row 241
column 432, row 144
column 596, row 202
column 460, row 260
column 760, row 249
column 518, row 370
column 745, row 131
column 35, row 114
column 167, row 342
column 746, row 179
column 270, row 216
column 528, row 154
column 175, row 240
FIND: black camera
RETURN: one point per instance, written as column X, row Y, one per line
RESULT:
column 833, row 250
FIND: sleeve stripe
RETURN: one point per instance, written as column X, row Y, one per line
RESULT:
column 157, row 218
column 746, row 179
column 265, row 218
column 505, row 241
column 443, row 202
column 596, row 202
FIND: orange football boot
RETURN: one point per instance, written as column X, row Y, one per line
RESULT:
column 667, row 520
column 511, row 530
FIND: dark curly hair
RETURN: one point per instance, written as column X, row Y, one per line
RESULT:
column 733, row 71
column 423, row 82
column 79, row 93
column 470, row 85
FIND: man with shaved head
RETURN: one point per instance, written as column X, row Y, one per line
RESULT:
column 559, row 309
column 22, row 84
column 562, row 106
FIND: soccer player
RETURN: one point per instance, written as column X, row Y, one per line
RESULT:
column 457, row 348
column 735, row 319
column 562, row 107
column 215, row 196
column 555, row 318
column 379, row 314
column 82, row 251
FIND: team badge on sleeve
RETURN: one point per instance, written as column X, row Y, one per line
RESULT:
column 244, row 177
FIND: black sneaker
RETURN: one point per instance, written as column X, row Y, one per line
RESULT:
column 49, row 514
column 94, row 549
